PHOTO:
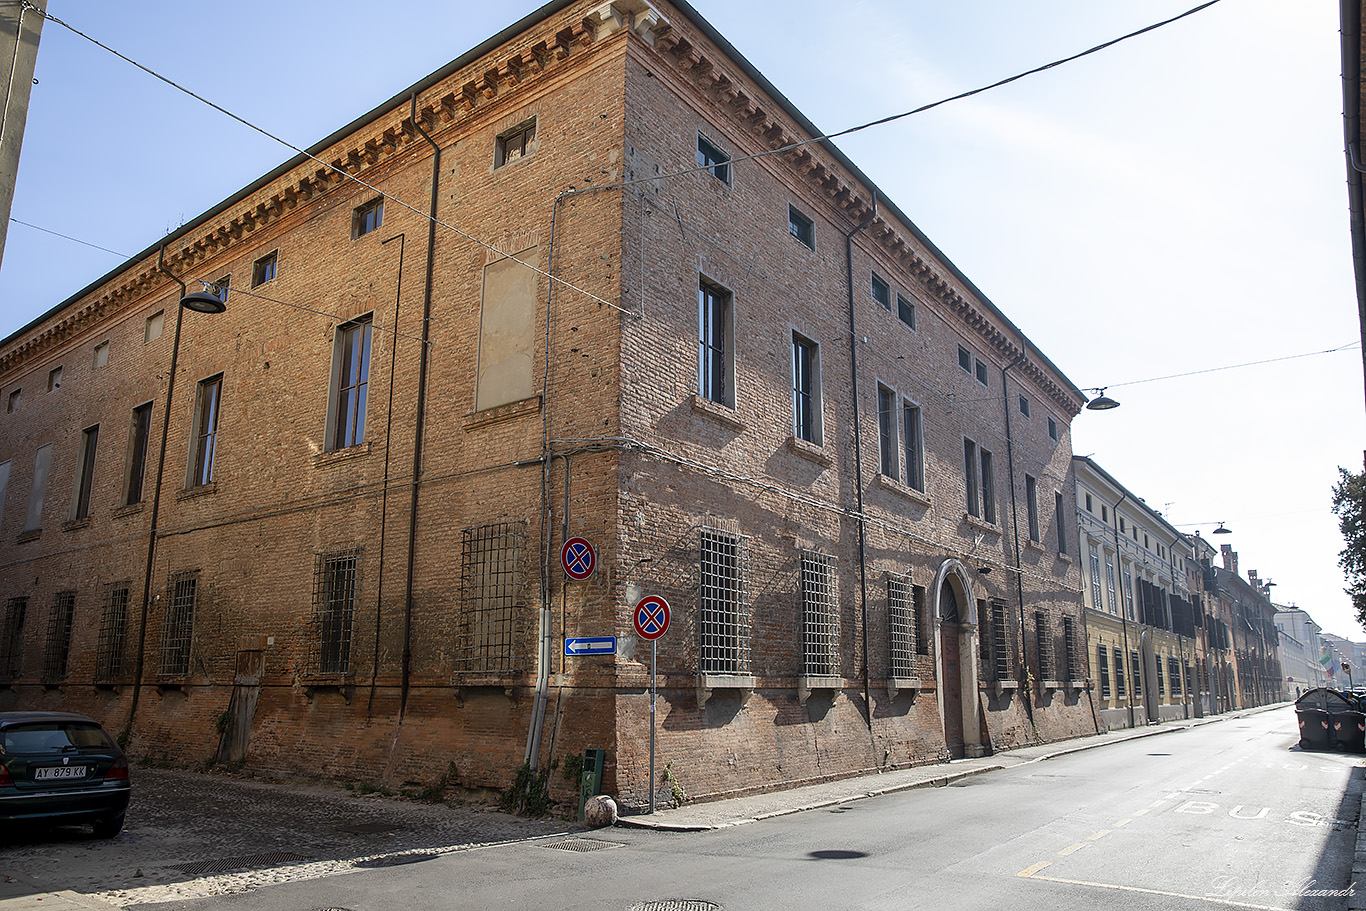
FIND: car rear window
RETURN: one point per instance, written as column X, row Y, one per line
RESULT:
column 53, row 737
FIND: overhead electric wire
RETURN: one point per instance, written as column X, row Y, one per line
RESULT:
column 25, row 4
column 75, row 240
column 1270, row 360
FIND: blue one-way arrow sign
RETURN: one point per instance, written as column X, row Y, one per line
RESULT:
column 590, row 645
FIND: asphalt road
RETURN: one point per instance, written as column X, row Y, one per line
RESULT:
column 1225, row 815
column 1230, row 814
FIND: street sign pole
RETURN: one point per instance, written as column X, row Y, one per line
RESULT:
column 651, row 620
column 653, row 645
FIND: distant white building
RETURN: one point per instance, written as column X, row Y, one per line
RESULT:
column 1301, row 650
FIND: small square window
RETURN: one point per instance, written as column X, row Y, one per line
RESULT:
column 54, row 378
column 882, row 292
column 518, row 142
column 1024, row 406
column 1121, row 524
column 367, row 218
column 102, row 354
column 222, row 286
column 905, row 310
column 964, row 359
column 155, row 323
column 1105, row 513
column 1053, row 430
column 982, row 373
column 801, row 227
column 263, row 270
column 1088, row 503
column 709, row 156
column 13, row 402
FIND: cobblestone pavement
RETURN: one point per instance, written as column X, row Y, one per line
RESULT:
column 192, row 835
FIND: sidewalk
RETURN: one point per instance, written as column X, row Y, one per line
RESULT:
column 740, row 810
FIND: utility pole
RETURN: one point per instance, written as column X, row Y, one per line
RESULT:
column 21, row 23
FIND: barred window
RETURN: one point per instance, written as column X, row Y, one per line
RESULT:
column 1071, row 655
column 820, row 616
column 177, row 632
column 113, row 629
column 1002, row 642
column 12, row 638
column 1120, row 684
column 491, row 584
column 901, row 626
column 58, row 637
column 922, row 626
column 1044, row 644
column 1103, row 663
column 334, row 610
column 723, row 580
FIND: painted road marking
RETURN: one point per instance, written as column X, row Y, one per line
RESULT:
column 1095, row 836
column 1027, row 872
column 1031, row 873
column 1142, row 812
column 1120, row 822
column 1071, row 849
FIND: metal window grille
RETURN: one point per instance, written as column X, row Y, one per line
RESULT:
column 334, row 610
column 492, row 574
column 1103, row 663
column 1161, row 682
column 1043, row 643
column 1120, row 684
column 901, row 625
column 820, row 616
column 1071, row 655
column 723, row 581
column 177, row 632
column 1002, row 640
column 1174, row 674
column 1137, row 674
column 113, row 629
column 985, row 644
column 922, row 626
column 58, row 637
column 12, row 644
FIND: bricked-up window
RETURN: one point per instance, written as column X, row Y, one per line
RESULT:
column 58, row 646
column 1096, row 602
column 113, row 631
column 350, row 383
column 820, row 616
column 1138, row 675
column 101, row 355
column 37, row 492
column 263, row 270
column 491, row 583
column 13, row 401
column 1119, row 674
column 367, row 218
column 1071, row 650
column 901, row 626
column 801, row 227
column 1059, row 516
column 1174, row 674
column 1002, row 639
column 139, row 433
column 205, row 430
column 723, row 576
column 1161, row 682
column 709, row 156
column 905, row 310
column 54, row 378
column 1103, row 665
column 970, row 477
column 1032, row 506
column 1043, row 643
column 85, row 473
column 334, row 609
column 177, row 630
column 914, row 445
column 513, row 144
column 881, row 291
column 988, row 487
column 155, row 324
column 4, row 487
column 806, row 390
column 886, row 432
column 715, row 359
column 12, row 638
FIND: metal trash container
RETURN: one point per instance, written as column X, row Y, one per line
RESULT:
column 591, row 783
column 1349, row 731
column 1313, row 712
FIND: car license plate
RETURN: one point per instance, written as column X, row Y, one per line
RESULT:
column 59, row 773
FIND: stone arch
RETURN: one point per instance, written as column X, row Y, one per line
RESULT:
column 956, row 658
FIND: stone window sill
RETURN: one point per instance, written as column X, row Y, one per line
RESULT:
column 332, row 457
column 812, row 452
column 903, row 490
column 808, row 684
column 723, row 414
column 203, row 490
column 33, row 534
column 500, row 413
column 707, row 684
column 981, row 525
column 131, row 509
column 1031, row 544
column 897, row 685
column 76, row 524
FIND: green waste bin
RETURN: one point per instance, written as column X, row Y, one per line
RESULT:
column 591, row 784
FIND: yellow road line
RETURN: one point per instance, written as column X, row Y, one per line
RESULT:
column 1071, row 849
column 1098, row 835
column 1030, row 871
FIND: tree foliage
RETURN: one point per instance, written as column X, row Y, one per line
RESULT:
column 1349, row 504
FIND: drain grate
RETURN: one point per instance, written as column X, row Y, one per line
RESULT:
column 247, row 862
column 584, row 844
column 677, row 904
column 396, row 860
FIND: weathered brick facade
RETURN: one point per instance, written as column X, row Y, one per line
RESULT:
column 353, row 619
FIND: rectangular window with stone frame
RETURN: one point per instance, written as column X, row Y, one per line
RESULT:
column 1120, row 684
column 715, row 357
column 886, row 432
column 820, row 615
column 177, row 630
column 493, row 622
column 334, row 610
column 902, row 623
column 723, row 609
column 1103, row 664
column 1043, row 644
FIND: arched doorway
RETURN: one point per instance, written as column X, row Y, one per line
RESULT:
column 955, row 614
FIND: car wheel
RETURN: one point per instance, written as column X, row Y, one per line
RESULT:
column 108, row 828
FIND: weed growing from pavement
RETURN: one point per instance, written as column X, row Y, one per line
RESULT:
column 529, row 793
column 677, row 794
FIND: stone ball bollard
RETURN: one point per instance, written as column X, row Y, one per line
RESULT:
column 600, row 811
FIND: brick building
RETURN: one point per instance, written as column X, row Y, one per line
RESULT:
column 755, row 387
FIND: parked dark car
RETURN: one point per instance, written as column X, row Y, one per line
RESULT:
column 59, row 768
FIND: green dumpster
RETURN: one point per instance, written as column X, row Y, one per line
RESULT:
column 591, row 785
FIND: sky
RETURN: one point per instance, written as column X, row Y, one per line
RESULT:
column 1173, row 204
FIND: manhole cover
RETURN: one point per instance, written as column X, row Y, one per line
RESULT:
column 677, row 904
column 584, row 844
column 395, row 860
column 248, row 862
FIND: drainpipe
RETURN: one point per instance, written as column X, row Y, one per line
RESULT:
column 156, row 504
column 858, row 456
column 1015, row 530
column 421, row 416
